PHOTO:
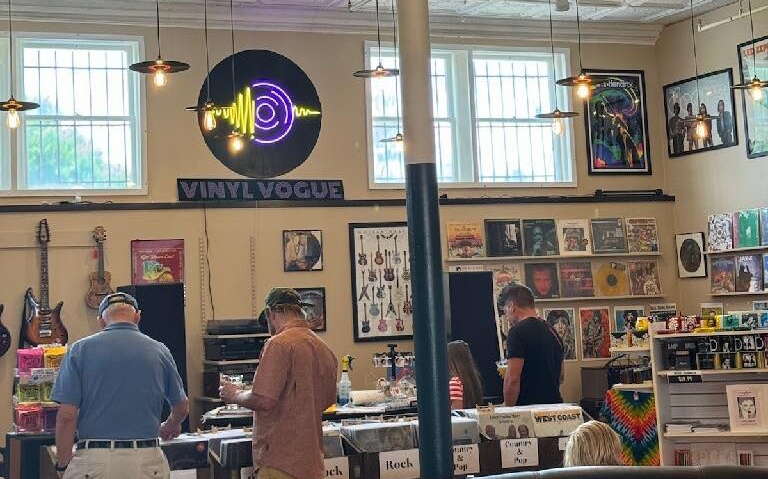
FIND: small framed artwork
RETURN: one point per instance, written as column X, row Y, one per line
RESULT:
column 625, row 317
column 315, row 313
column 617, row 124
column 690, row 255
column 157, row 261
column 709, row 95
column 753, row 62
column 562, row 321
column 302, row 250
column 503, row 238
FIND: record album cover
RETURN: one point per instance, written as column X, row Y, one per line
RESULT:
column 625, row 317
column 710, row 310
column 540, row 238
column 749, row 273
column 765, row 271
column 576, row 280
column 723, row 276
column 562, row 321
column 503, row 238
column 720, row 232
column 595, row 332
column 573, row 236
column 157, row 261
column 747, row 407
column 542, row 279
column 763, row 226
column 608, row 236
column 465, row 240
column 644, row 278
column 612, row 279
column 642, row 235
column 746, row 231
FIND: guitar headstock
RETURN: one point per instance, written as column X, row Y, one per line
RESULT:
column 43, row 232
column 99, row 234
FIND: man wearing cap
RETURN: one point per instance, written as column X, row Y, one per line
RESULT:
column 294, row 383
column 111, row 388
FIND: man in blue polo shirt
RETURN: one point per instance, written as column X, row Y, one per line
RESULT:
column 111, row 388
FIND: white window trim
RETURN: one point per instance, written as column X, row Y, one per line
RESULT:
column 6, row 148
column 567, row 105
column 18, row 139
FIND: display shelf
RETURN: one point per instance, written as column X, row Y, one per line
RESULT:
column 633, row 387
column 756, row 293
column 632, row 349
column 737, row 250
column 712, row 372
column 484, row 259
column 235, row 336
column 231, row 361
column 598, row 298
column 714, row 435
column 714, row 333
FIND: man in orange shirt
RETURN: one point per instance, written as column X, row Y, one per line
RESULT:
column 294, row 383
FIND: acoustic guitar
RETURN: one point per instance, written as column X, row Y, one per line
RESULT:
column 43, row 325
column 5, row 336
column 100, row 279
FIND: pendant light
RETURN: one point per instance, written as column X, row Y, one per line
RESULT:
column 379, row 71
column 754, row 86
column 701, row 130
column 209, row 119
column 555, row 115
column 13, row 106
column 159, row 68
column 582, row 82
column 398, row 138
column 235, row 139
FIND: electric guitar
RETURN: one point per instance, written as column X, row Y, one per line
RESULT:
column 5, row 336
column 399, row 323
column 379, row 259
column 406, row 272
column 372, row 276
column 366, row 324
column 389, row 271
column 396, row 255
column 362, row 258
column 43, row 325
column 391, row 307
column 374, row 309
column 363, row 290
column 407, row 306
column 383, row 326
column 100, row 279
column 380, row 289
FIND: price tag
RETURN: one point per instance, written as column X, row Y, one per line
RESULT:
column 337, row 468
column 399, row 464
column 685, row 373
column 466, row 460
column 685, row 377
column 519, row 453
column 562, row 442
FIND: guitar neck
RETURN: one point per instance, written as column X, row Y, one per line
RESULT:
column 44, row 299
column 101, row 260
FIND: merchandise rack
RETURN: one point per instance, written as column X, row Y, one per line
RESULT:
column 543, row 258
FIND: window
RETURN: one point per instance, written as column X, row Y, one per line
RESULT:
column 486, row 131
column 86, row 135
column 5, row 137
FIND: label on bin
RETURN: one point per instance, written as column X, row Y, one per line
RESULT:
column 519, row 453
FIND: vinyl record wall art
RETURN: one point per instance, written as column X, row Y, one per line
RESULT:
column 274, row 106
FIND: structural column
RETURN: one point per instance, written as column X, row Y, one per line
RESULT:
column 429, row 324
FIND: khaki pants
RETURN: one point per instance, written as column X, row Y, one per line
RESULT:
column 141, row 463
column 271, row 473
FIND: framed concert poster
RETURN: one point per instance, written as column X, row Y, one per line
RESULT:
column 157, row 261
column 302, row 250
column 714, row 97
column 617, row 124
column 382, row 297
column 316, row 312
column 753, row 60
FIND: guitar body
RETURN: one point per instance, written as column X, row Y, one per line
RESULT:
column 366, row 323
column 43, row 326
column 5, row 336
column 100, row 287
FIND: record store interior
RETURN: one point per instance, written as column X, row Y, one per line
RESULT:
column 383, row 239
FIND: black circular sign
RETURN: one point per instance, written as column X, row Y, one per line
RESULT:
column 274, row 107
column 690, row 255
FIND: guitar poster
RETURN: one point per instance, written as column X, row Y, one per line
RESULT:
column 382, row 297
column 157, row 261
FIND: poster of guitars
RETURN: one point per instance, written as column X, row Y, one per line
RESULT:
column 157, row 261
column 382, row 302
column 43, row 324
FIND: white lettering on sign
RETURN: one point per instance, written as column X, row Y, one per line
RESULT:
column 685, row 373
column 399, row 464
column 561, row 443
column 466, row 460
column 519, row 453
column 337, row 468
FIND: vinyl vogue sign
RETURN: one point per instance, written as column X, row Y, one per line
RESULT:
column 271, row 103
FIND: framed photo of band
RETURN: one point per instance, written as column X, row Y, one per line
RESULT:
column 753, row 59
column 382, row 298
column 617, row 124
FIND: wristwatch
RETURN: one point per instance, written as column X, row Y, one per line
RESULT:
column 60, row 468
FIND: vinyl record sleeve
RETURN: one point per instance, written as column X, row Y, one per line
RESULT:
column 573, row 236
column 642, row 235
column 608, row 236
column 612, row 280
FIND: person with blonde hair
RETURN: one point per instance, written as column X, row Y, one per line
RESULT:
column 593, row 443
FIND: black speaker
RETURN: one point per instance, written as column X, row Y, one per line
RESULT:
column 162, row 319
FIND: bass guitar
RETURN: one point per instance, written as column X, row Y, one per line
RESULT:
column 389, row 271
column 362, row 258
column 399, row 326
column 100, row 279
column 43, row 325
column 366, row 324
column 406, row 272
column 5, row 336
column 407, row 306
column 383, row 326
column 379, row 259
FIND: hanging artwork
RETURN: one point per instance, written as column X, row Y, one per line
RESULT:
column 157, row 261
column 314, row 300
column 562, row 321
column 302, row 250
column 690, row 255
column 595, row 332
column 382, row 297
column 751, row 54
column 617, row 124
column 710, row 95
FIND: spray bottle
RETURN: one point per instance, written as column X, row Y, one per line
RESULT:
column 345, row 385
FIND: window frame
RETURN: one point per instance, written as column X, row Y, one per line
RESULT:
column 6, row 147
column 464, row 110
column 136, row 83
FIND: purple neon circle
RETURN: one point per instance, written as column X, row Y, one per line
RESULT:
column 280, row 124
column 272, row 112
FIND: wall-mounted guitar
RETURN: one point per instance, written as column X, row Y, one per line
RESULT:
column 42, row 325
column 5, row 335
column 100, row 279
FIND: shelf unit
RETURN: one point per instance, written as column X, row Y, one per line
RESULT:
column 737, row 250
column 480, row 259
column 755, row 293
column 644, row 387
column 632, row 349
column 598, row 298
column 706, row 335
column 715, row 435
column 714, row 372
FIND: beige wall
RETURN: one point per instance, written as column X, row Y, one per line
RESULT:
column 175, row 148
column 721, row 180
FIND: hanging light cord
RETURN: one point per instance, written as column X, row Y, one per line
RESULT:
column 552, row 46
column 232, row 33
column 157, row 24
column 752, row 29
column 394, row 41
column 10, row 43
column 695, row 61
column 207, row 53
column 578, row 28
column 378, row 31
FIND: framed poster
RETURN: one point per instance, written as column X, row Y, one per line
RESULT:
column 302, row 250
column 316, row 312
column 625, row 317
column 714, row 98
column 562, row 321
column 690, row 255
column 755, row 54
column 157, row 261
column 382, row 298
column 617, row 124
column 595, row 332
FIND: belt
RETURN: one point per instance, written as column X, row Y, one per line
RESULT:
column 123, row 444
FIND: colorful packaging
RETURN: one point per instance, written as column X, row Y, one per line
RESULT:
column 28, row 389
column 54, row 356
column 49, row 413
column 28, row 417
column 26, row 359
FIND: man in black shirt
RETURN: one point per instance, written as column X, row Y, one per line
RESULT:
column 534, row 352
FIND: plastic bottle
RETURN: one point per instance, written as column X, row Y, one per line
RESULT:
column 345, row 385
